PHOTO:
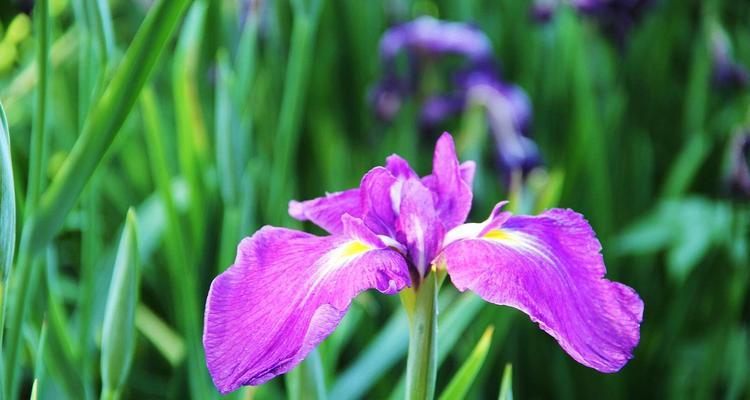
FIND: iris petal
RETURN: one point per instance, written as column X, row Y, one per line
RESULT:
column 286, row 292
column 326, row 211
column 450, row 182
column 418, row 225
column 549, row 267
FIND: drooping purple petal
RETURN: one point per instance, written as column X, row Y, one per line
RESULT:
column 326, row 211
column 549, row 267
column 286, row 292
column 452, row 193
column 418, row 225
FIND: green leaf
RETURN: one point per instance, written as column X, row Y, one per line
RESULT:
column 182, row 285
column 118, row 331
column 38, row 142
column 7, row 217
column 306, row 381
column 192, row 140
column 60, row 358
column 39, row 371
column 101, row 126
column 506, row 384
column 105, row 120
column 293, row 100
column 167, row 341
column 462, row 381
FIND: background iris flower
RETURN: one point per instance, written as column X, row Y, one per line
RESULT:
column 476, row 82
column 288, row 290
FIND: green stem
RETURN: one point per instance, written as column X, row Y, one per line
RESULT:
column 421, row 366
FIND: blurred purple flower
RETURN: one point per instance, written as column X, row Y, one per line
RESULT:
column 616, row 18
column 727, row 73
column 542, row 11
column 430, row 37
column 425, row 40
column 738, row 180
column 288, row 290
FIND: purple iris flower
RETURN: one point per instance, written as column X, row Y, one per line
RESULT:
column 288, row 290
column 430, row 37
column 615, row 17
column 738, row 180
column 423, row 39
column 727, row 73
column 508, row 107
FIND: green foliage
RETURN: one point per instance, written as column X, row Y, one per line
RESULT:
column 461, row 382
column 118, row 331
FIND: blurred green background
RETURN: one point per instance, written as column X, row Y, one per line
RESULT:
column 208, row 117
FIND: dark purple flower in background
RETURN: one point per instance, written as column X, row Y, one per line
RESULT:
column 616, row 18
column 542, row 11
column 426, row 40
column 738, row 179
column 727, row 73
column 288, row 290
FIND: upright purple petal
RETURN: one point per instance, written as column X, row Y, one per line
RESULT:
column 549, row 267
column 326, row 211
column 467, row 169
column 452, row 193
column 285, row 293
column 399, row 167
column 418, row 225
column 380, row 194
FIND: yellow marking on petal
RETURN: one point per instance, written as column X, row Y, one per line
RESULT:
column 497, row 234
column 354, row 248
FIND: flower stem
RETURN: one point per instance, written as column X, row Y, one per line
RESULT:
column 421, row 364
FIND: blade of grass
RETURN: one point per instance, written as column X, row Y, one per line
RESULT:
column 192, row 141
column 102, row 125
column 118, row 331
column 182, row 284
column 59, row 354
column 293, row 99
column 7, row 223
column 307, row 380
column 39, row 370
column 506, row 384
column 38, row 129
column 462, row 381
column 166, row 341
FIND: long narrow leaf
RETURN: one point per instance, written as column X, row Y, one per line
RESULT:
column 462, row 381
column 102, row 125
column 118, row 332
column 506, row 385
column 7, row 220
column 182, row 284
